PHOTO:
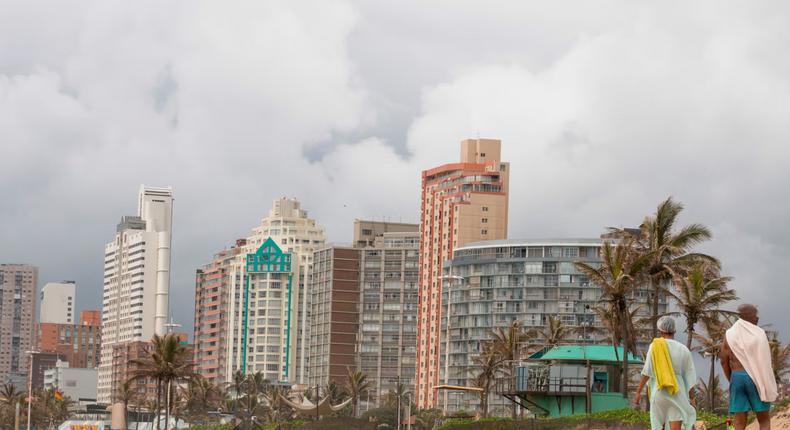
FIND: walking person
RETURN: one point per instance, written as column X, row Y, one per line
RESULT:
column 746, row 360
column 670, row 375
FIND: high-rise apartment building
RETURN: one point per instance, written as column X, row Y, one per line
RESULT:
column 17, row 315
column 79, row 344
column 212, row 306
column 460, row 203
column 335, row 314
column 136, row 279
column 262, row 334
column 365, row 308
column 529, row 281
column 387, row 340
column 294, row 232
column 252, row 314
column 57, row 302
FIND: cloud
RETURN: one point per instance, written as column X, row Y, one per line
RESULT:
column 603, row 112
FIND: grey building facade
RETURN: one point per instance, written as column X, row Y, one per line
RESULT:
column 375, row 330
column 498, row 282
column 388, row 312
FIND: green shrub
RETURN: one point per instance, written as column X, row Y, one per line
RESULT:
column 632, row 418
column 210, row 427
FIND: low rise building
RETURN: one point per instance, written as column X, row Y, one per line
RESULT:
column 77, row 384
column 41, row 362
column 79, row 343
column 124, row 367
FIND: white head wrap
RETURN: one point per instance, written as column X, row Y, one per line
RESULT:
column 666, row 324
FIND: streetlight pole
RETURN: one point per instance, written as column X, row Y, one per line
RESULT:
column 450, row 277
column 169, row 326
column 30, row 387
column 400, row 391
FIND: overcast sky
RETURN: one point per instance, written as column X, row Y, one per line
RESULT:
column 604, row 109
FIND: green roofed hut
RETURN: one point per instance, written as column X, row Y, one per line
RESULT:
column 570, row 380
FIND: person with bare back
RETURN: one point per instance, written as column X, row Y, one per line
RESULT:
column 746, row 360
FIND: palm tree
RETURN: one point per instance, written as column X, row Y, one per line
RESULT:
column 126, row 395
column 780, row 356
column 509, row 344
column 249, row 407
column 276, row 410
column 669, row 251
column 700, row 293
column 554, row 332
column 199, row 397
column 237, row 383
column 710, row 393
column 426, row 418
column 357, row 383
column 49, row 412
column 167, row 361
column 620, row 272
column 709, row 346
column 399, row 394
column 9, row 395
column 488, row 365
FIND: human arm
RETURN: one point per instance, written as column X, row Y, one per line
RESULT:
column 638, row 397
column 724, row 358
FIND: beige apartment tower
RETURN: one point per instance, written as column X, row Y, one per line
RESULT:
column 461, row 203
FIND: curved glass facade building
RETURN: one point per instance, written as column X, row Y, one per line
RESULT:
column 494, row 283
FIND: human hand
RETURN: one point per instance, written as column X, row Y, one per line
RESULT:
column 638, row 399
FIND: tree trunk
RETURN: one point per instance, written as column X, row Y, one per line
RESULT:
column 689, row 332
column 711, row 391
column 167, row 404
column 158, row 402
column 626, row 339
column 656, row 288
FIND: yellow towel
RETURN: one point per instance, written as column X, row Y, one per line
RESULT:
column 662, row 367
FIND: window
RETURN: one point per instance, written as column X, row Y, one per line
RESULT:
column 484, row 231
column 482, row 154
column 484, row 220
column 535, row 267
column 484, row 208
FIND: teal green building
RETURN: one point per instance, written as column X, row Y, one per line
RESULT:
column 267, row 310
column 571, row 380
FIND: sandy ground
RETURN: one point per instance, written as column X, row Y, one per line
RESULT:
column 780, row 421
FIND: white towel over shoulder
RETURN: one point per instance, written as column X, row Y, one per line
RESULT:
column 750, row 345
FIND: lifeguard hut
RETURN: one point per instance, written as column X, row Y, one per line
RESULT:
column 569, row 380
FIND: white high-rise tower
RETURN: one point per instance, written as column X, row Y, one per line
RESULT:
column 136, row 280
column 57, row 302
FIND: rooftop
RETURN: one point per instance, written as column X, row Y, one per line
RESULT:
column 597, row 353
column 533, row 242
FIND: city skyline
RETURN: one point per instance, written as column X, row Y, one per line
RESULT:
column 601, row 115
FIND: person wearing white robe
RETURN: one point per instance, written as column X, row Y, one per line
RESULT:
column 670, row 411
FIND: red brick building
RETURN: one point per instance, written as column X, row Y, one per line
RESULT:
column 79, row 344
